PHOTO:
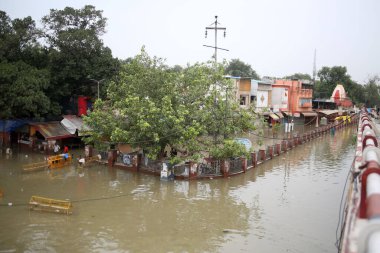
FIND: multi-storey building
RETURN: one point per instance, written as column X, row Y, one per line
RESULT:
column 293, row 98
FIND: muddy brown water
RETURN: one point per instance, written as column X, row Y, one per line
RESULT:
column 288, row 204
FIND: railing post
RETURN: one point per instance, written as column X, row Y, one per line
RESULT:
column 244, row 164
column 254, row 159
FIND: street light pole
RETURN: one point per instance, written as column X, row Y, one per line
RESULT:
column 98, row 82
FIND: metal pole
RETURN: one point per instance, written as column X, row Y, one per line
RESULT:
column 216, row 40
column 98, row 88
column 216, row 28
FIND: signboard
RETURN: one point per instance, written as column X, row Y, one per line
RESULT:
column 246, row 142
column 262, row 98
column 280, row 98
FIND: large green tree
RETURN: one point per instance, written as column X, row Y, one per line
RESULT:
column 238, row 68
column 150, row 106
column 300, row 76
column 77, row 53
column 330, row 77
column 372, row 92
column 24, row 71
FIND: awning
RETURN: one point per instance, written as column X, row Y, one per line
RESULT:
column 11, row 125
column 328, row 112
column 309, row 114
column 274, row 116
column 289, row 114
column 279, row 114
column 52, row 130
column 73, row 123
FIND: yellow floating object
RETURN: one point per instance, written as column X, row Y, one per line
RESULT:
column 50, row 205
column 58, row 161
column 34, row 166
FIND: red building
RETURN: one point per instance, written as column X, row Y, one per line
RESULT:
column 293, row 97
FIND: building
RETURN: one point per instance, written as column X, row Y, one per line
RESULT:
column 294, row 99
column 340, row 97
column 243, row 91
column 261, row 94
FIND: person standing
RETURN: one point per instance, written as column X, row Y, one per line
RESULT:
column 56, row 148
column 66, row 150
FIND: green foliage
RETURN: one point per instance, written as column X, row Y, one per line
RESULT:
column 77, row 53
column 372, row 92
column 23, row 86
column 299, row 76
column 37, row 79
column 330, row 77
column 150, row 106
column 24, row 71
column 238, row 68
column 229, row 149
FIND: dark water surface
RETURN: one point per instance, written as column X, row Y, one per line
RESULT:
column 289, row 204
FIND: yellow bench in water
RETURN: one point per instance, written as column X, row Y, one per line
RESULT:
column 50, row 205
column 58, row 161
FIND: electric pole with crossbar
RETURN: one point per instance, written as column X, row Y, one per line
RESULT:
column 214, row 26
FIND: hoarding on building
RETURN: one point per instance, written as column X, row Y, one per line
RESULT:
column 262, row 98
column 280, row 98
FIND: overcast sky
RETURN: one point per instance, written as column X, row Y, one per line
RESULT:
column 276, row 37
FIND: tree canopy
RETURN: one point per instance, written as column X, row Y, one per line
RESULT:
column 300, row 76
column 42, row 69
column 25, row 76
column 372, row 92
column 77, row 53
column 238, row 68
column 329, row 77
column 150, row 106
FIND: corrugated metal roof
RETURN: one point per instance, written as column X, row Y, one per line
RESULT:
column 52, row 130
column 274, row 116
column 73, row 123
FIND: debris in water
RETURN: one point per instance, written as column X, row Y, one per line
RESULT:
column 232, row 231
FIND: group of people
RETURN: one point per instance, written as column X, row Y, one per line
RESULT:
column 57, row 148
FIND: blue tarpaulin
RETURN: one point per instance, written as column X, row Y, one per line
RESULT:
column 11, row 125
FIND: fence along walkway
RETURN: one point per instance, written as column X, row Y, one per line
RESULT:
column 360, row 230
column 229, row 167
column 225, row 168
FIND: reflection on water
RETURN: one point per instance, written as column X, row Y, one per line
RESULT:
column 288, row 204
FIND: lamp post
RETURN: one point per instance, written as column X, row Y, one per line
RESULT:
column 98, row 82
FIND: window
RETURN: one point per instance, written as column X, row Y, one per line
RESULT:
column 305, row 102
column 243, row 100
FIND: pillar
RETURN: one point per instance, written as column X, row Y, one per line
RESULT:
column 225, row 167
column 244, row 164
column 262, row 154
column 112, row 155
column 270, row 149
column 254, row 159
column 284, row 145
column 278, row 148
column 192, row 170
column 88, row 150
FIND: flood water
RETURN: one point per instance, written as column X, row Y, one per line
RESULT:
column 288, row 204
